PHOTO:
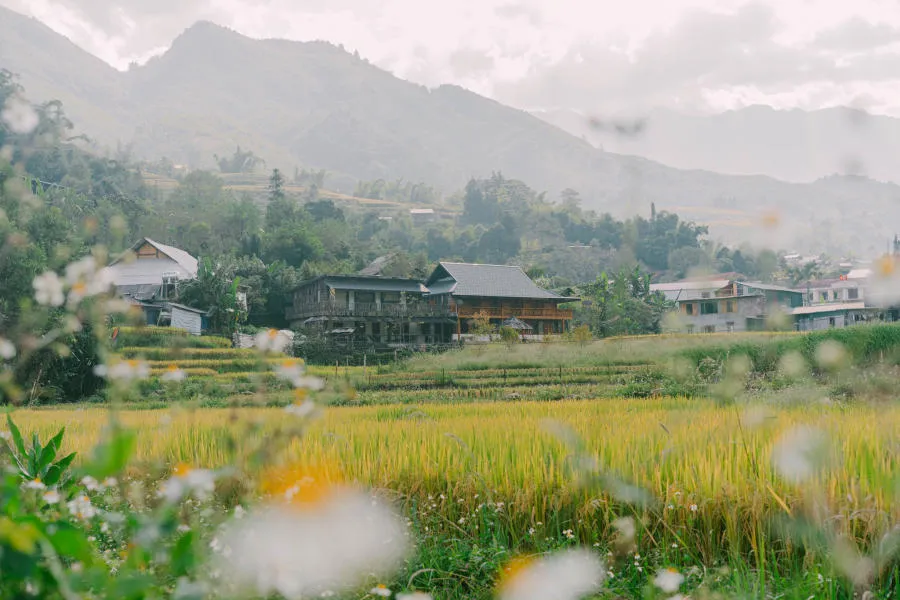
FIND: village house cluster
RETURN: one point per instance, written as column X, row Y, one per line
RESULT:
column 446, row 307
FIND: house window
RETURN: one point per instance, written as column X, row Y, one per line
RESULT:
column 852, row 294
column 834, row 295
column 390, row 298
column 811, row 297
column 823, row 296
column 376, row 330
column 730, row 307
column 704, row 294
column 831, row 322
column 708, row 308
column 365, row 297
column 709, row 329
column 689, row 309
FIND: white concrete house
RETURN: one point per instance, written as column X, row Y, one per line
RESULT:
column 150, row 268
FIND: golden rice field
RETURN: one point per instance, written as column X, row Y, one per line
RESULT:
column 683, row 451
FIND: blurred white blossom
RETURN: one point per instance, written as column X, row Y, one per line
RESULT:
column 884, row 284
column 7, row 349
column 301, row 410
column 272, row 340
column 173, row 373
column 34, row 484
column 626, row 528
column 186, row 481
column 799, row 453
column 81, row 508
column 126, row 370
column 414, row 596
column 381, row 590
column 19, row 115
column 48, row 289
column 830, row 354
column 51, row 497
column 668, row 580
column 565, row 575
column 298, row 551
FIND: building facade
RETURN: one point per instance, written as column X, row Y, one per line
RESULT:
column 396, row 312
column 737, row 306
column 497, row 293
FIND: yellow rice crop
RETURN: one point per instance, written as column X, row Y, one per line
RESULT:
column 692, row 447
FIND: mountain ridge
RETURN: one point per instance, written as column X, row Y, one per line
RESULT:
column 312, row 104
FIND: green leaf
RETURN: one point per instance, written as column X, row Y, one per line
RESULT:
column 16, row 435
column 183, row 557
column 111, row 457
column 55, row 472
column 56, row 441
column 70, row 542
column 46, row 458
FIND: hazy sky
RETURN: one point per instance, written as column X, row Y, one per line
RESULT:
column 587, row 55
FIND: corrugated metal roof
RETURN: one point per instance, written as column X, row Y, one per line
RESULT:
column 185, row 260
column 675, row 286
column 500, row 281
column 768, row 287
column 375, row 284
column 827, row 308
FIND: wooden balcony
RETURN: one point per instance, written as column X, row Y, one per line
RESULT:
column 334, row 310
column 503, row 312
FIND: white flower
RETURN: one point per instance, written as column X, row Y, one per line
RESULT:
column 303, row 550
column 85, row 280
column 569, row 534
column 668, row 580
column 82, row 508
column 173, row 373
column 884, row 282
column 110, row 482
column 186, row 482
column 301, row 410
column 239, row 512
column 414, row 596
column 566, row 575
column 186, row 589
column 19, row 115
column 34, row 484
column 89, row 483
column 126, row 370
column 694, row 508
column 380, row 590
column 48, row 289
column 7, row 349
column 272, row 340
column 289, row 369
column 315, row 384
column 51, row 497
column 799, row 453
column 626, row 528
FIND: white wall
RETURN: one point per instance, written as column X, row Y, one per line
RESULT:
column 187, row 320
column 146, row 271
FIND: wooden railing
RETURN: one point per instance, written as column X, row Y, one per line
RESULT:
column 495, row 312
column 365, row 309
column 341, row 310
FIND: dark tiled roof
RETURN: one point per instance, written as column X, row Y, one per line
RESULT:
column 374, row 284
column 499, row 281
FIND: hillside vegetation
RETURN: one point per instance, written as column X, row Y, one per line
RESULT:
column 316, row 105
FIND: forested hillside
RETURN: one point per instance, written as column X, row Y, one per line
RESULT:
column 315, row 106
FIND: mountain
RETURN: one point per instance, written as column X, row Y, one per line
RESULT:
column 793, row 145
column 314, row 105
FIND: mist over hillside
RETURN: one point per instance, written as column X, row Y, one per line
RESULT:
column 312, row 104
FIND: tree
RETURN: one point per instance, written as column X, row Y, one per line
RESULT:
column 480, row 324
column 215, row 289
column 509, row 336
column 240, row 162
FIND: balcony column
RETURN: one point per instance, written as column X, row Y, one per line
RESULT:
column 351, row 299
column 378, row 300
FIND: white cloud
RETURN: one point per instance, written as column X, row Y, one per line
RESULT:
column 548, row 52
